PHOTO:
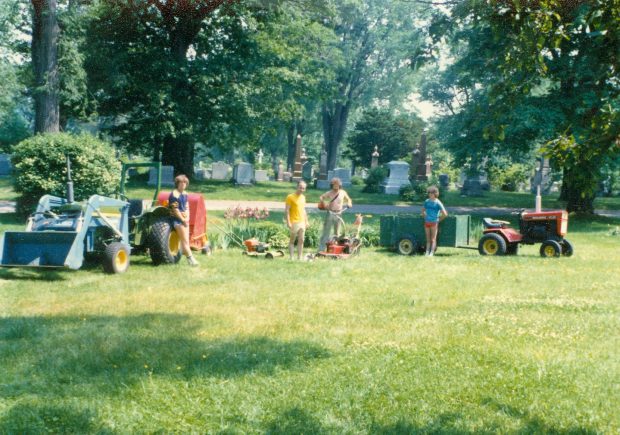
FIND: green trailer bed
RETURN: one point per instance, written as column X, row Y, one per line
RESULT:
column 405, row 232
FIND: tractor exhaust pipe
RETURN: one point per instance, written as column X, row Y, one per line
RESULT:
column 70, row 197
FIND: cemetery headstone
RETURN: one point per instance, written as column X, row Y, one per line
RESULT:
column 298, row 162
column 219, row 171
column 322, row 182
column 419, row 161
column 398, row 176
column 307, row 171
column 167, row 176
column 475, row 185
column 344, row 174
column 242, row 173
column 280, row 176
column 444, row 181
column 374, row 158
column 287, row 176
column 260, row 176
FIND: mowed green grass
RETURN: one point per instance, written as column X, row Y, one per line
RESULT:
column 377, row 344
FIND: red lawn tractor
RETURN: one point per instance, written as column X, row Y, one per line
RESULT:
column 545, row 227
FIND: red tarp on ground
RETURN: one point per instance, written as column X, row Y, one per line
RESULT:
column 197, row 218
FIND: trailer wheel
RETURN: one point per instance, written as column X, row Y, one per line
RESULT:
column 164, row 244
column 116, row 258
column 492, row 244
column 550, row 248
column 406, row 246
column 567, row 248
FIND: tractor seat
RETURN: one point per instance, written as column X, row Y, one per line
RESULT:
column 136, row 207
column 492, row 223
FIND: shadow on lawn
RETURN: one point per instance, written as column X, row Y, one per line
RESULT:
column 296, row 420
column 27, row 418
column 107, row 353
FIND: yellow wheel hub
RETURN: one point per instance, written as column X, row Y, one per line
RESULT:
column 121, row 259
column 173, row 243
column 549, row 251
column 491, row 247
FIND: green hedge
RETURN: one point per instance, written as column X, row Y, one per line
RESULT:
column 40, row 167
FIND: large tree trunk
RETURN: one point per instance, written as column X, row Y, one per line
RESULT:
column 45, row 65
column 334, row 124
column 179, row 152
column 579, row 189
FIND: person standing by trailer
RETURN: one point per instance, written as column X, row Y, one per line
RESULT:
column 296, row 219
column 334, row 202
column 179, row 207
column 433, row 212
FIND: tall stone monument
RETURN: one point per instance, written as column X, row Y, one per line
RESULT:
column 280, row 174
column 297, row 175
column 323, row 182
column 374, row 158
column 418, row 160
column 398, row 176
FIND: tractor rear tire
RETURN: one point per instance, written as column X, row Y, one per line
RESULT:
column 492, row 244
column 164, row 244
column 116, row 258
column 406, row 246
column 550, row 248
column 567, row 248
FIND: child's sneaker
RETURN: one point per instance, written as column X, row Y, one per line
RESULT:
column 192, row 261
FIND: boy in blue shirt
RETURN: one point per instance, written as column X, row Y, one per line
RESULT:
column 433, row 212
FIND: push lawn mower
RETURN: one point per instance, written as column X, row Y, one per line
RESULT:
column 343, row 247
column 255, row 248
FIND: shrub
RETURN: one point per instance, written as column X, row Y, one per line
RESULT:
column 508, row 178
column 357, row 180
column 374, row 180
column 416, row 191
column 40, row 167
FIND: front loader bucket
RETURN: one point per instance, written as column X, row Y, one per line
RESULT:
column 41, row 249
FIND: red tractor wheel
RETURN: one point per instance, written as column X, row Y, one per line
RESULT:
column 550, row 248
column 492, row 244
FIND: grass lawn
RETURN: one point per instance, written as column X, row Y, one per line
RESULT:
column 378, row 344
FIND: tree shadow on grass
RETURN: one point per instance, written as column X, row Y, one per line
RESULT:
column 533, row 424
column 31, row 274
column 29, row 418
column 297, row 420
column 110, row 352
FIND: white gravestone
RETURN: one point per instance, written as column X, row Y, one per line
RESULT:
column 242, row 173
column 260, row 176
column 219, row 171
column 344, row 174
column 398, row 176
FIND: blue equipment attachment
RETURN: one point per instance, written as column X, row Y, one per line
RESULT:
column 61, row 232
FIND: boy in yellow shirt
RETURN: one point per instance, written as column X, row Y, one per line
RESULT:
column 296, row 219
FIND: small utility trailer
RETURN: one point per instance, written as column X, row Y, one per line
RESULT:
column 405, row 233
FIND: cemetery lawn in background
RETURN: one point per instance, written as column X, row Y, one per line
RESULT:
column 382, row 343
column 6, row 189
column 277, row 191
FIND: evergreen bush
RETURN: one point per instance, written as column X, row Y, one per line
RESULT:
column 374, row 180
column 40, row 167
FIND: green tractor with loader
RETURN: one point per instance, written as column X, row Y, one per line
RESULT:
column 62, row 233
